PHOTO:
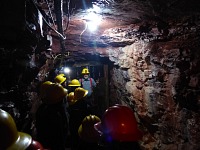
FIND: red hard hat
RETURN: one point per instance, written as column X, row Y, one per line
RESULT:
column 119, row 124
column 35, row 145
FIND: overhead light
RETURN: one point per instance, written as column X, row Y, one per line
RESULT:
column 93, row 19
column 91, row 26
column 94, row 8
column 66, row 70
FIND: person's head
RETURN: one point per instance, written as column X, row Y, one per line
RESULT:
column 86, row 130
column 85, row 72
column 61, row 79
column 80, row 93
column 119, row 124
column 43, row 88
column 70, row 98
column 55, row 94
column 73, row 84
column 11, row 139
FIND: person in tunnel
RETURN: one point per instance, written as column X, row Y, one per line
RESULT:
column 61, row 79
column 73, row 84
column 89, row 137
column 51, row 119
column 77, row 111
column 89, row 84
column 11, row 138
column 118, row 129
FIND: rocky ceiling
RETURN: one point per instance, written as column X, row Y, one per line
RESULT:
column 123, row 22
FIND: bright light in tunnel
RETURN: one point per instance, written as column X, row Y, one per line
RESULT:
column 92, row 26
column 66, row 70
column 94, row 8
column 93, row 19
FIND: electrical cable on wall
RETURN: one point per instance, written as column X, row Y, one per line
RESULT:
column 51, row 14
column 68, row 14
column 83, row 30
column 61, row 35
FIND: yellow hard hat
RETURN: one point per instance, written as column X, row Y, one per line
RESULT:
column 43, row 88
column 10, row 138
column 60, row 78
column 55, row 93
column 87, row 131
column 74, row 82
column 85, row 71
column 70, row 98
column 79, row 93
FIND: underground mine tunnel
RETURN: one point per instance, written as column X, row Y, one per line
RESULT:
column 144, row 55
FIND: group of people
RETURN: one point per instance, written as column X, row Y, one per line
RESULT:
column 64, row 120
column 65, row 105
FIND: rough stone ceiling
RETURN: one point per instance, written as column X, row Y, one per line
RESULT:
column 119, row 19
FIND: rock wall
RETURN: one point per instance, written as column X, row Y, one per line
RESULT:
column 159, row 77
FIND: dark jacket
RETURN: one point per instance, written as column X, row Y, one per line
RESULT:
column 52, row 126
column 77, row 113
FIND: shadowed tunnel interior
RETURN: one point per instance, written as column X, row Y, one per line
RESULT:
column 143, row 54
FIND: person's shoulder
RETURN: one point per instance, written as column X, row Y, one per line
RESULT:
column 92, row 79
